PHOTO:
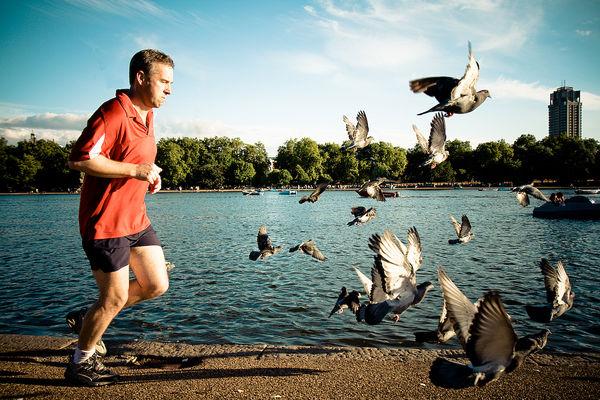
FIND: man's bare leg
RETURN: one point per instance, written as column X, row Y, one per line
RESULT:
column 117, row 291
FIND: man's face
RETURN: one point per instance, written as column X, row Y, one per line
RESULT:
column 157, row 85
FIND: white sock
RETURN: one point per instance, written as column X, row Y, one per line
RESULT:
column 81, row 355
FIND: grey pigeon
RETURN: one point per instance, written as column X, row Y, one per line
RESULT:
column 455, row 96
column 559, row 295
column 394, row 284
column 346, row 300
column 486, row 334
column 311, row 249
column 362, row 215
column 524, row 191
column 435, row 148
column 444, row 331
column 463, row 230
column 314, row 196
column 412, row 252
column 265, row 248
column 357, row 134
column 372, row 189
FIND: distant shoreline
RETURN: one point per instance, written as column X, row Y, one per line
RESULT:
column 485, row 188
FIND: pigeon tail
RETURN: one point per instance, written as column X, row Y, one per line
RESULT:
column 375, row 313
column 453, row 241
column 254, row 255
column 295, row 248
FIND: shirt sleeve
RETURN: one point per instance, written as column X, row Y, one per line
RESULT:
column 95, row 139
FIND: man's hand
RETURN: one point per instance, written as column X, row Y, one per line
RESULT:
column 155, row 187
column 148, row 172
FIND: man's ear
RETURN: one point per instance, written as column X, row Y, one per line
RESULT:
column 140, row 76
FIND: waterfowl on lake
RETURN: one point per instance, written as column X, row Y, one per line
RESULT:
column 435, row 148
column 310, row 248
column 314, row 196
column 362, row 215
column 265, row 247
column 346, row 300
column 463, row 230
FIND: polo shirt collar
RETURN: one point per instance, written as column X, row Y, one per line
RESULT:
column 123, row 97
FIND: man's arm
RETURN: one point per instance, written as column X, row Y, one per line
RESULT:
column 103, row 167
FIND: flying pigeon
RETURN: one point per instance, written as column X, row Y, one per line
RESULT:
column 524, row 191
column 358, row 134
column 265, row 247
column 455, row 96
column 412, row 252
column 372, row 189
column 486, row 334
column 314, row 196
column 436, row 147
column 394, row 288
column 309, row 248
column 362, row 215
column 559, row 295
column 346, row 300
column 463, row 231
column 444, row 332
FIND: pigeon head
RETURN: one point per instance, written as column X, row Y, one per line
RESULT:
column 484, row 93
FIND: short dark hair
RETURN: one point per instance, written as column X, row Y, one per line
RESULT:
column 143, row 60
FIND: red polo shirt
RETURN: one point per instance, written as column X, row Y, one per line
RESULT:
column 114, row 207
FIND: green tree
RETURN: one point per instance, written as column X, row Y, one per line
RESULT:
column 241, row 173
column 495, row 161
column 170, row 157
column 279, row 177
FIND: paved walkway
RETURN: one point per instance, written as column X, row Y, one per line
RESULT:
column 33, row 366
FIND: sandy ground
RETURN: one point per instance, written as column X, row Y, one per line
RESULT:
column 33, row 367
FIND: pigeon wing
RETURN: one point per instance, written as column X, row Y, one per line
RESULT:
column 364, row 280
column 350, row 128
column 437, row 135
column 423, row 143
column 311, row 248
column 493, row 338
column 466, row 85
column 523, row 199
column 465, row 227
column 396, row 273
column 456, row 225
column 460, row 308
column 263, row 240
column 564, row 284
column 362, row 126
column 358, row 211
column 319, row 189
column 535, row 192
column 439, row 87
column 377, row 293
column 414, row 249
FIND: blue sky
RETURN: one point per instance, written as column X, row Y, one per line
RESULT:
column 273, row 70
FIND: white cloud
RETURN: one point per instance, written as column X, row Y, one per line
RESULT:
column 14, row 135
column 46, row 121
column 583, row 32
column 121, row 7
column 504, row 88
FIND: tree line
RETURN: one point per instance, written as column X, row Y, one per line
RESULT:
column 221, row 162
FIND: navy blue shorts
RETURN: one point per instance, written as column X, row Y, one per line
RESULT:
column 112, row 254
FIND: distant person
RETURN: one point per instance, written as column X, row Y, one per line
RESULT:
column 553, row 198
column 560, row 198
column 116, row 151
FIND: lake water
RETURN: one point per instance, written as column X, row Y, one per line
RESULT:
column 217, row 295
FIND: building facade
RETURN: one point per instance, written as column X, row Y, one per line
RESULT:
column 564, row 112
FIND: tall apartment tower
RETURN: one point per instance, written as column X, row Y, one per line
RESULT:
column 564, row 112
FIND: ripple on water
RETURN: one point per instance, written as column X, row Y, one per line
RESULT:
column 217, row 295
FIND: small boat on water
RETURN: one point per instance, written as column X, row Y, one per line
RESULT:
column 587, row 191
column 576, row 207
column 288, row 192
